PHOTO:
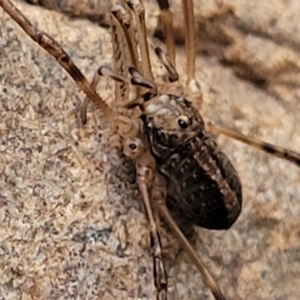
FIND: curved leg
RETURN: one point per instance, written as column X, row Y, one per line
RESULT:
column 164, row 59
column 103, row 70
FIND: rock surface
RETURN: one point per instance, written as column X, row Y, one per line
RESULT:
column 71, row 226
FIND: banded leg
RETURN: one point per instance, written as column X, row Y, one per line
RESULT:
column 130, row 44
column 277, row 151
column 124, row 35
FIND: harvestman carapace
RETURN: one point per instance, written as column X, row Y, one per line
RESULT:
column 180, row 171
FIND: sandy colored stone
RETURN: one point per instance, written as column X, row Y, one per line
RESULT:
column 71, row 226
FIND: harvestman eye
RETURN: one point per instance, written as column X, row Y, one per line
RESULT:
column 183, row 122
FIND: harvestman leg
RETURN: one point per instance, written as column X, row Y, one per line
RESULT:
column 139, row 13
column 83, row 110
column 145, row 169
column 168, row 29
column 192, row 89
column 277, row 151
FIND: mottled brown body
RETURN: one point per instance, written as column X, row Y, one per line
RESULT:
column 203, row 187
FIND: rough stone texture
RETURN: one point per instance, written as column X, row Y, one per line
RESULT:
column 71, row 227
column 91, row 9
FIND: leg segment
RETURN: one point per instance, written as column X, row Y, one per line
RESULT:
column 145, row 166
column 166, row 16
column 277, row 151
column 173, row 75
column 125, row 49
column 189, row 22
column 158, row 197
column 208, row 279
column 83, row 110
column 139, row 13
column 193, row 90
column 103, row 70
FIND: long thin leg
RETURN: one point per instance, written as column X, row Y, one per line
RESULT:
column 189, row 22
column 160, row 274
column 125, row 49
column 193, row 89
column 122, row 26
column 139, row 13
column 277, row 151
column 166, row 16
column 83, row 110
column 145, row 166
column 53, row 47
column 159, row 199
column 208, row 279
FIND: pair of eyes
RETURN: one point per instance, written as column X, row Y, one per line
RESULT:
column 184, row 121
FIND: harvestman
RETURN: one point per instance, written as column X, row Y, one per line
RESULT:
column 168, row 124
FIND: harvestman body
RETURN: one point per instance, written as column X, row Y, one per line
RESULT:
column 180, row 171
